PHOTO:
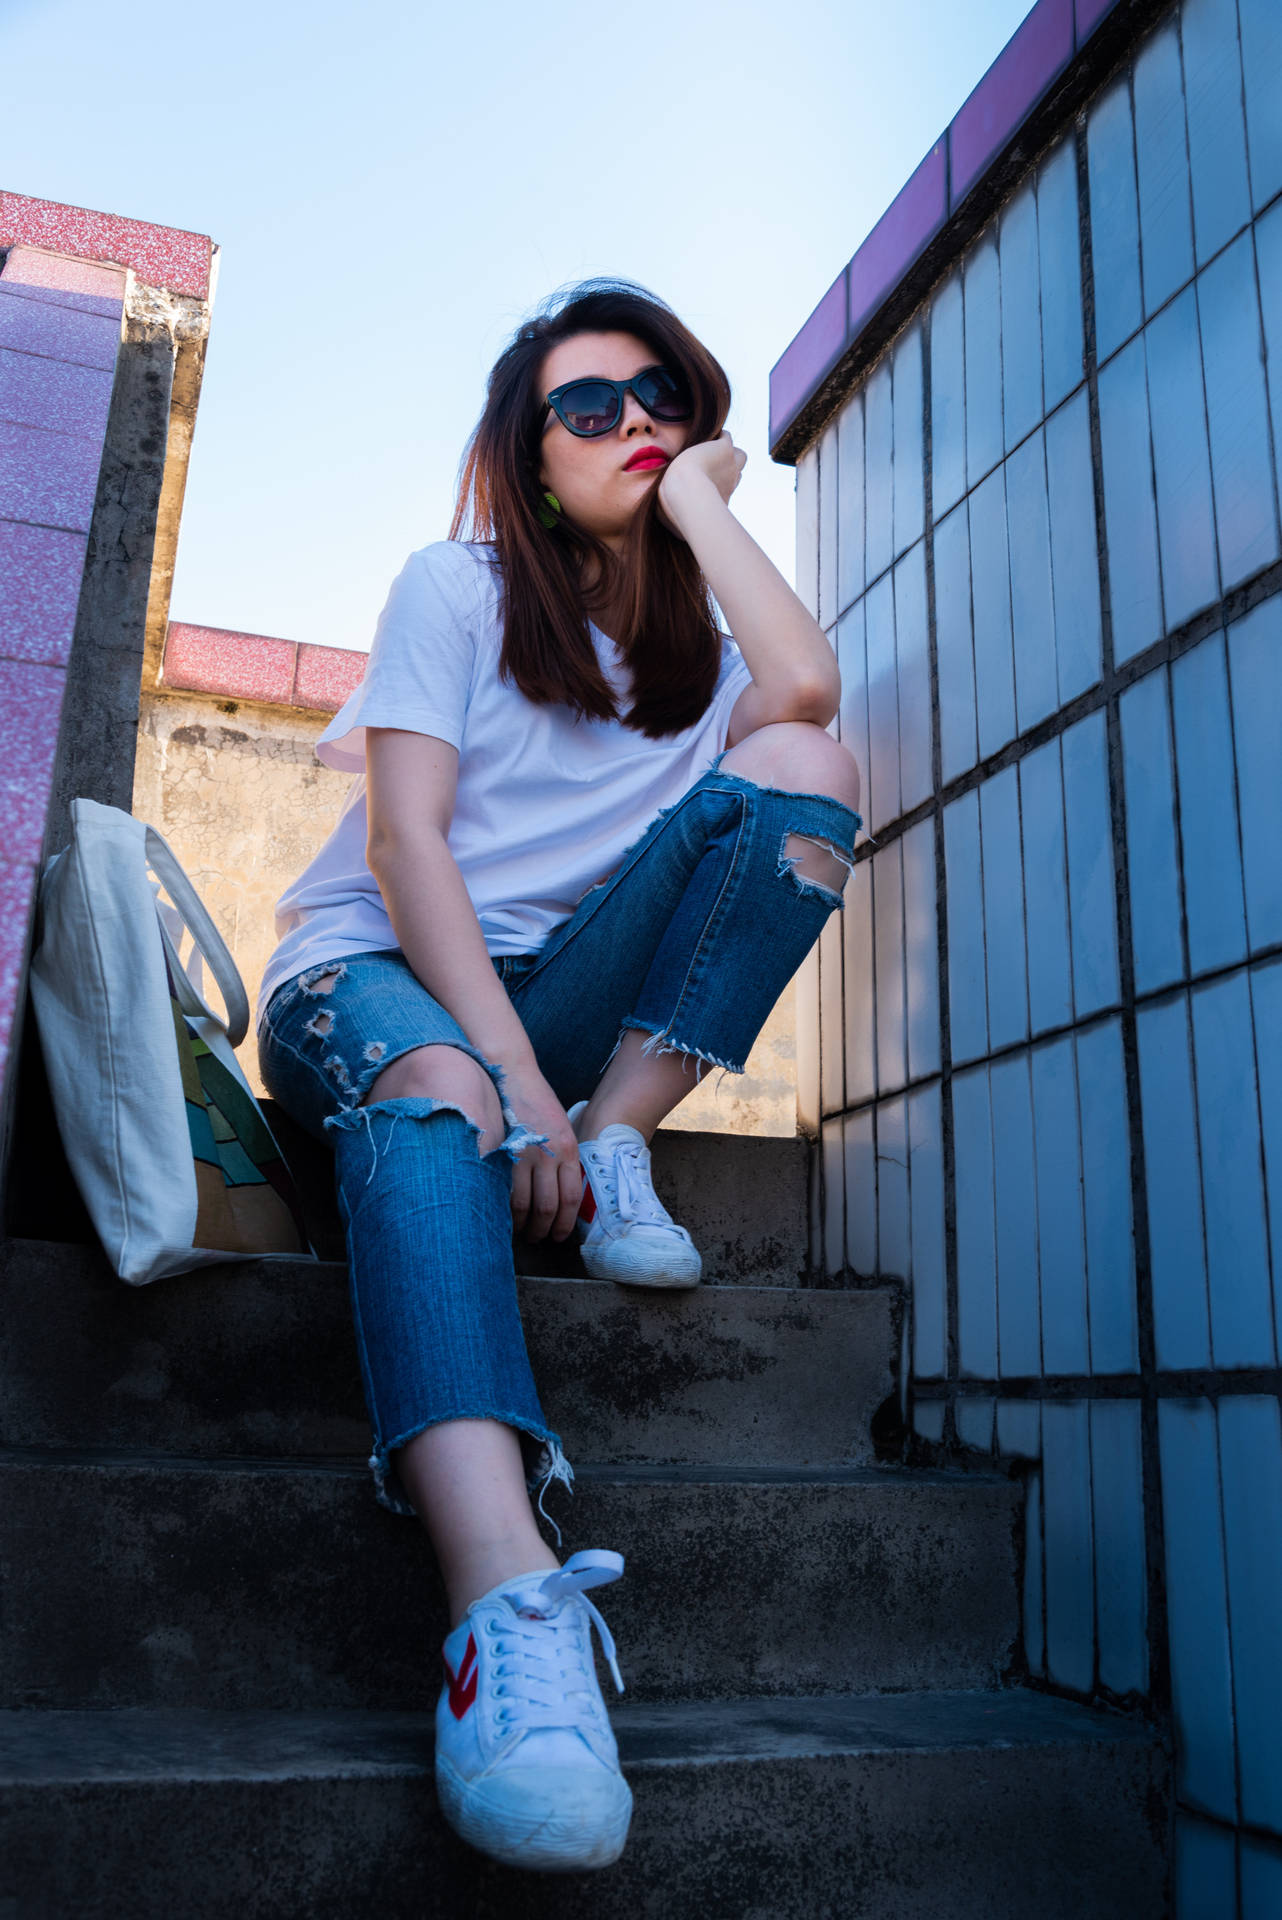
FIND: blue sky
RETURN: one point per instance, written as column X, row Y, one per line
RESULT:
column 394, row 187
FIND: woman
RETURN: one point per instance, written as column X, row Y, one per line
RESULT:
column 489, row 990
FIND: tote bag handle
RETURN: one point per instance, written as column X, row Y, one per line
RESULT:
column 212, row 947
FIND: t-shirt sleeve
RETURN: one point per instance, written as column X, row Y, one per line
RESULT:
column 421, row 663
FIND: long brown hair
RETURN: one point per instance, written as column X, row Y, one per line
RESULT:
column 667, row 632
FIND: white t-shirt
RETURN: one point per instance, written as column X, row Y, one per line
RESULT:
column 547, row 803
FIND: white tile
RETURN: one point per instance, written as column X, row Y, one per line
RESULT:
column 1181, row 1315
column 1106, row 1200
column 1213, row 898
column 807, row 486
column 1034, row 1576
column 1216, row 128
column 861, row 1080
column 1115, row 224
column 1161, row 151
column 832, row 1145
column 1019, row 1344
column 829, row 509
column 947, row 398
column 1255, row 675
column 928, row 1419
column 926, row 1188
column 990, row 599
column 909, row 519
column 1065, row 1342
column 912, row 673
column 1205, row 1870
column 959, row 748
column 807, row 1028
column 1130, row 510
column 1019, row 1429
column 1074, row 548
column 832, row 1066
column 893, row 1230
column 1261, row 25
column 982, row 301
column 1197, row 1607
column 1152, row 860
column 1070, row 1598
column 879, row 471
column 1268, row 255
column 881, row 791
column 1261, row 1871
column 1050, row 981
column 967, row 996
column 975, row 1423
column 853, row 664
column 1237, row 1254
column 1021, row 316
column 1251, row 1478
column 1117, row 1490
column 976, row 1248
column 1032, row 604
column 850, row 493
column 888, row 941
column 1237, row 414
column 921, row 949
column 1004, row 948
column 1092, row 899
column 1266, row 1000
column 861, row 1194
column 1181, row 461
column 1060, row 249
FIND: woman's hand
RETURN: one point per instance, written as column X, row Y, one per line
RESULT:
column 546, row 1192
column 719, row 461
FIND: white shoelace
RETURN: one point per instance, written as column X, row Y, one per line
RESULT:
column 543, row 1655
column 635, row 1200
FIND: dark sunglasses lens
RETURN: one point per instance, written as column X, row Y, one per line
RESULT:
column 665, row 394
column 590, row 407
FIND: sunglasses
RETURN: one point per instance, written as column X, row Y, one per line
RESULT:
column 592, row 407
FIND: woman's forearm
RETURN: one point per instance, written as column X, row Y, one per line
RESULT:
column 787, row 652
column 435, row 923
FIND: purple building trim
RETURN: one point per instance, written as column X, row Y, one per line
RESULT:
column 1041, row 51
column 1040, row 48
column 801, row 367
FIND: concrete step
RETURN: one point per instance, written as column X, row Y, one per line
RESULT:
column 260, row 1359
column 966, row 1806
column 131, row 1582
column 743, row 1198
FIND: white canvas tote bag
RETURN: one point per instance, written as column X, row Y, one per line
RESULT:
column 167, row 1144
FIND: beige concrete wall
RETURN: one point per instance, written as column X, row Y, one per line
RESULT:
column 237, row 791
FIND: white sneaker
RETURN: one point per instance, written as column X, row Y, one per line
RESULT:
column 624, row 1231
column 526, row 1763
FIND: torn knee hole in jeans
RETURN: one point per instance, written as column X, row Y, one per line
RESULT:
column 826, row 869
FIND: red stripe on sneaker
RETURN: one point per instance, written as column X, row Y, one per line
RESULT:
column 463, row 1683
column 587, row 1206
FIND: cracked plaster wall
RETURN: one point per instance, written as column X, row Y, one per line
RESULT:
column 237, row 791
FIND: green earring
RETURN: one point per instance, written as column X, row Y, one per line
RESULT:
column 551, row 513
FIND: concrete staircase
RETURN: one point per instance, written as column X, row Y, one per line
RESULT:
column 220, row 1658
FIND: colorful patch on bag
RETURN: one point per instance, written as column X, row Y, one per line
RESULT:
column 246, row 1200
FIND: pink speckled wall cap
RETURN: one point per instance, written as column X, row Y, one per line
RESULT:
column 254, row 666
column 159, row 256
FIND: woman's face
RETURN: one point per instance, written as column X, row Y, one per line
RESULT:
column 591, row 478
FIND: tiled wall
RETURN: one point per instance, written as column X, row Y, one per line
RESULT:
column 1043, row 535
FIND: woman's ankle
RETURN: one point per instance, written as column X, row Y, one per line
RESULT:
column 487, row 1568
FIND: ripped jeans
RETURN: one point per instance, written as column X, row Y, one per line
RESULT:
column 692, row 940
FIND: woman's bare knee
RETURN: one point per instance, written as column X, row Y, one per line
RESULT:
column 445, row 1073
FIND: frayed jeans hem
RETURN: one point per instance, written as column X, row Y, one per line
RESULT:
column 551, row 1464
